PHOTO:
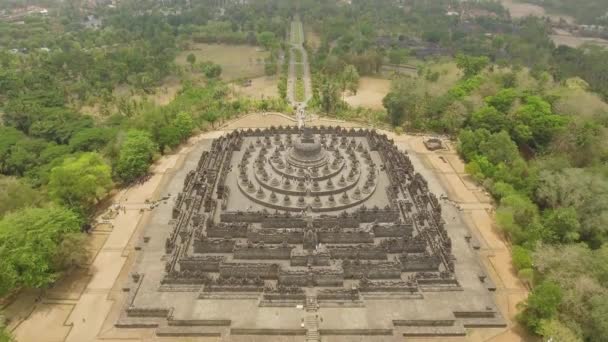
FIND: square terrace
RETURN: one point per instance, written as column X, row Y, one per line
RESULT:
column 314, row 232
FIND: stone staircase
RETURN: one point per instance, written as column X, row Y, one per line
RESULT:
column 312, row 320
column 311, row 304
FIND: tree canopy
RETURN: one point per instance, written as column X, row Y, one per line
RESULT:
column 37, row 245
column 136, row 153
column 80, row 182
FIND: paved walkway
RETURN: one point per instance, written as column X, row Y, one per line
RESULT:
column 296, row 42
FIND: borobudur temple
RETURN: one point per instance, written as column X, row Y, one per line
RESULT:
column 313, row 232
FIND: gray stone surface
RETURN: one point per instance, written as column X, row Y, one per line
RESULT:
column 321, row 270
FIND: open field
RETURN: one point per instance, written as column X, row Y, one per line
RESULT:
column 522, row 10
column 370, row 93
column 575, row 41
column 261, row 87
column 373, row 89
column 237, row 61
column 561, row 37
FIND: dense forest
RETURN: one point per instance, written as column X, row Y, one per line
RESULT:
column 510, row 112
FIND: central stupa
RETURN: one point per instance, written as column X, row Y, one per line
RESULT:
column 307, row 151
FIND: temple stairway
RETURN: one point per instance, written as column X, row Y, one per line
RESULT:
column 312, row 320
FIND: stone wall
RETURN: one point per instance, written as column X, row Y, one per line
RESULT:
column 345, row 236
column 202, row 263
column 393, row 230
column 419, row 262
column 302, row 258
column 372, row 270
column 269, row 235
column 232, row 230
column 317, row 277
column 283, row 221
column 370, row 252
column 262, row 252
column 249, row 270
column 337, row 294
column 205, row 245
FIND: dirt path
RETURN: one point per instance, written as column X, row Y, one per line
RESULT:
column 84, row 307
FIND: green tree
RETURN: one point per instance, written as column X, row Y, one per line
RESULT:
column 5, row 336
column 401, row 102
column 168, row 136
column 471, row 65
column 31, row 241
column 536, row 124
column 555, row 330
column 564, row 223
column 469, row 141
column 583, row 190
column 80, row 182
column 330, row 97
column 519, row 217
column 191, row 59
column 267, row 39
column 503, row 100
column 270, row 66
column 15, row 194
column 522, row 258
column 184, row 124
column 499, row 148
column 136, row 154
column 350, row 79
column 398, row 56
column 599, row 318
column 491, row 119
column 395, row 106
column 542, row 304
column 211, row 70
column 92, row 139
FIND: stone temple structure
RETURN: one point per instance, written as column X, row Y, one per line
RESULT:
column 316, row 232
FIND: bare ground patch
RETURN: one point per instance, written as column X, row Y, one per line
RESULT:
column 312, row 38
column 575, row 41
column 260, row 88
column 522, row 10
column 237, row 61
column 370, row 93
